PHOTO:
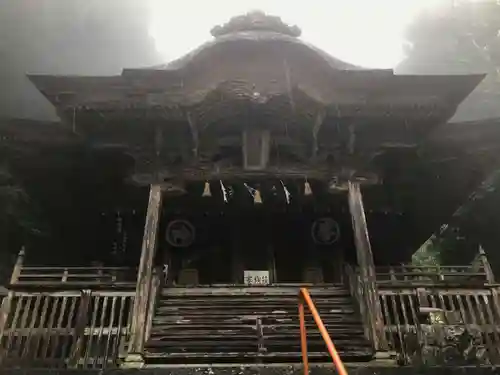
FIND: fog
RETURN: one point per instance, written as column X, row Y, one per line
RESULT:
column 83, row 37
column 100, row 37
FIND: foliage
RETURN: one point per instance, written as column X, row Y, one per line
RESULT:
column 427, row 255
column 460, row 39
column 12, row 198
column 20, row 221
column 16, row 210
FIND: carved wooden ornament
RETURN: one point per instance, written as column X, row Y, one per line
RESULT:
column 180, row 233
column 325, row 231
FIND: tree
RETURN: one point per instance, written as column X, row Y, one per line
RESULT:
column 17, row 222
column 82, row 37
column 460, row 39
column 427, row 255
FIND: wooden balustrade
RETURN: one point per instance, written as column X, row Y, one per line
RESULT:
column 357, row 288
column 431, row 274
column 93, row 328
column 418, row 303
column 82, row 329
column 24, row 276
column 75, row 276
column 83, row 317
column 479, row 272
column 414, row 315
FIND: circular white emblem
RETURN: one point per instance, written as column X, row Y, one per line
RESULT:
column 180, row 233
column 325, row 231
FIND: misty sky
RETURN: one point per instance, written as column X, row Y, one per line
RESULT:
column 101, row 37
column 364, row 32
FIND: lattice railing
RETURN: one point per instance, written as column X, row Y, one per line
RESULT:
column 430, row 274
column 359, row 291
column 76, row 276
column 477, row 273
column 89, row 277
column 451, row 311
column 87, row 329
column 451, row 322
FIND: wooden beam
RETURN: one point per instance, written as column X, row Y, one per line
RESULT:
column 366, row 263
column 360, row 227
column 194, row 134
column 5, row 308
column 320, row 117
column 351, row 145
column 209, row 172
column 158, row 145
column 255, row 149
column 81, row 322
column 485, row 265
column 16, row 272
column 145, row 277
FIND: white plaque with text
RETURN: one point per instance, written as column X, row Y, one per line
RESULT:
column 256, row 277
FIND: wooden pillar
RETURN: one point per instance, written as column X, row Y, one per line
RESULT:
column 271, row 261
column 366, row 263
column 144, row 278
column 481, row 262
column 16, row 272
column 80, row 325
column 361, row 238
column 6, row 301
column 236, row 253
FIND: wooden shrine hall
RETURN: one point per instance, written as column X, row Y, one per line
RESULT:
column 270, row 166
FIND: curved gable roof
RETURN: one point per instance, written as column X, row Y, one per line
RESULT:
column 255, row 27
column 247, row 38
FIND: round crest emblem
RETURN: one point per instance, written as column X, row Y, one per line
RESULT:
column 325, row 231
column 180, row 233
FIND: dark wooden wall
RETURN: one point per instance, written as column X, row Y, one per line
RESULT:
column 75, row 199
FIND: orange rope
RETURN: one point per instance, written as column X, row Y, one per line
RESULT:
column 306, row 297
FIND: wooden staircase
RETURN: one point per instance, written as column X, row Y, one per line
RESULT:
column 251, row 325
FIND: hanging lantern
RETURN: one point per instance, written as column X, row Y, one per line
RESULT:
column 307, row 188
column 257, row 199
column 206, row 190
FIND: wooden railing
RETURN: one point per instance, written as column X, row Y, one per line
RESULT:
column 430, row 274
column 357, row 288
column 140, row 330
column 451, row 311
column 421, row 302
column 441, row 319
column 76, row 276
column 305, row 298
column 78, row 329
column 71, row 277
column 478, row 272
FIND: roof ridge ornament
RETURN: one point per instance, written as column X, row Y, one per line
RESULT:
column 255, row 21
